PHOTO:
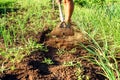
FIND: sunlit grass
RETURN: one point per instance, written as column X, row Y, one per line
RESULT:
column 102, row 26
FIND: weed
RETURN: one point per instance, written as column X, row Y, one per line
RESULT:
column 60, row 51
column 48, row 61
column 2, row 68
column 72, row 51
column 70, row 63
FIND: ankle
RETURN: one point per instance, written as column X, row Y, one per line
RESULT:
column 68, row 24
column 68, row 20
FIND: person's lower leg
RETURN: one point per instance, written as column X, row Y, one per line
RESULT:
column 68, row 7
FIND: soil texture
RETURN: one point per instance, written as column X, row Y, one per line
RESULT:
column 62, row 51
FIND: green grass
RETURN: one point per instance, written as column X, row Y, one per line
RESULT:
column 16, row 25
column 3, row 2
column 101, row 24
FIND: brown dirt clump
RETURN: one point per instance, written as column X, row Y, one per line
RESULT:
column 65, row 41
column 62, row 31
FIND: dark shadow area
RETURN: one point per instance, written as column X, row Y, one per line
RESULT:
column 9, row 77
column 42, row 67
column 43, row 35
column 52, row 54
column 8, row 10
column 7, row 6
column 100, row 77
column 93, row 72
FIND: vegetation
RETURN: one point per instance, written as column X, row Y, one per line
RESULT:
column 98, row 19
column 101, row 24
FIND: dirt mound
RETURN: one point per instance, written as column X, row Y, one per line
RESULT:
column 67, row 41
column 32, row 67
column 62, row 31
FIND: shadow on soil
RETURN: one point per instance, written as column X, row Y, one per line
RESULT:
column 42, row 67
column 9, row 77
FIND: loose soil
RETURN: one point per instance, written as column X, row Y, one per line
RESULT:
column 33, row 68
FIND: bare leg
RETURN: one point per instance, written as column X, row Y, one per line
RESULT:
column 68, row 8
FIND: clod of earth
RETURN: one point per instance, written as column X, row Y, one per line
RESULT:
column 62, row 31
column 68, row 41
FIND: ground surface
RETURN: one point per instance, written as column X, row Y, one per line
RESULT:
column 33, row 68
